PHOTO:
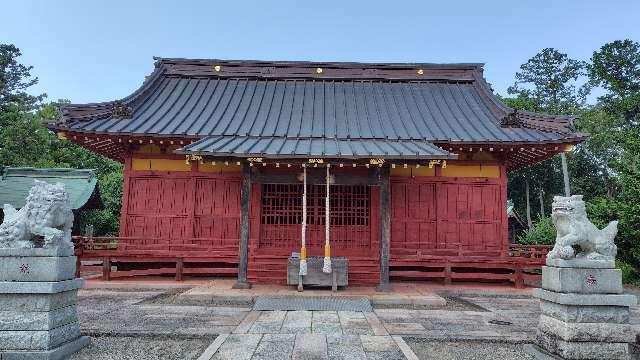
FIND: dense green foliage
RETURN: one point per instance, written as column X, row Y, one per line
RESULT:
column 604, row 168
column 630, row 274
column 25, row 141
column 541, row 233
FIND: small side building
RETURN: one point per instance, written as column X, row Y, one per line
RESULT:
column 80, row 183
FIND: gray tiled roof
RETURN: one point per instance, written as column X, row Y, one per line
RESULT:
column 438, row 103
column 310, row 147
column 79, row 183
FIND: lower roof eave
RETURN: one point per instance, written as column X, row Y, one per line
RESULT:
column 307, row 156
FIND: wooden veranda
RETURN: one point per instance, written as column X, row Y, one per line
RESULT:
column 108, row 258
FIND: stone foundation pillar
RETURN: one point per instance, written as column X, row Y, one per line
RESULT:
column 585, row 315
column 38, row 292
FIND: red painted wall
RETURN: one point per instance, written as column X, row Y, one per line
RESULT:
column 181, row 207
column 430, row 215
column 439, row 215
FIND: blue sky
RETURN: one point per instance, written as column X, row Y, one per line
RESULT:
column 90, row 51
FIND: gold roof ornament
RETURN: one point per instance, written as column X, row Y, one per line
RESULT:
column 319, row 70
column 190, row 158
column 420, row 72
column 378, row 162
column 217, row 68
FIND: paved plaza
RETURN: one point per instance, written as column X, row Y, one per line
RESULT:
column 205, row 322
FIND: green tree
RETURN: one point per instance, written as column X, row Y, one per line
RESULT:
column 615, row 67
column 548, row 82
column 15, row 78
column 25, row 140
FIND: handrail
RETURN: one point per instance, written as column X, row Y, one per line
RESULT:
column 132, row 243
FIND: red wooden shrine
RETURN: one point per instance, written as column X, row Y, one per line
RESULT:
column 213, row 153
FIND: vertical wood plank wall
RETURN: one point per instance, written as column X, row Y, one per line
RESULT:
column 431, row 215
column 438, row 215
column 181, row 207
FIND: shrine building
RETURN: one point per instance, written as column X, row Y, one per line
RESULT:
column 215, row 153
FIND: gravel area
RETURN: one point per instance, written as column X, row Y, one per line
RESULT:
column 142, row 347
column 467, row 350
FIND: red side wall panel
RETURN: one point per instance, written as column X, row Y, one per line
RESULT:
column 435, row 213
column 180, row 207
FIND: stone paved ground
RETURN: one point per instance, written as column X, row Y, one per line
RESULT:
column 131, row 324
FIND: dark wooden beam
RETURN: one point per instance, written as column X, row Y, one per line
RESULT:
column 385, row 233
column 245, row 200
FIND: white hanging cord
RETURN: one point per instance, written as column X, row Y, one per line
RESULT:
column 303, row 249
column 326, row 266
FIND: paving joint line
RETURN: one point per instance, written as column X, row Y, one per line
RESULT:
column 246, row 323
column 406, row 350
column 213, row 347
column 376, row 325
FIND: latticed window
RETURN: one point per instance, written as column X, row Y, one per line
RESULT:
column 282, row 214
column 282, row 204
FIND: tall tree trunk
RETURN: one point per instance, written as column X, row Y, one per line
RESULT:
column 541, row 197
column 529, row 223
column 565, row 174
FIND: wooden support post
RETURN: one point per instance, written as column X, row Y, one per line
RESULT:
column 79, row 249
column 385, row 232
column 519, row 279
column 179, row 268
column 245, row 201
column 565, row 174
column 447, row 274
column 106, row 268
column 78, row 264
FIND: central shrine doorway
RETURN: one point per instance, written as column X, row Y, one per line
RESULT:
column 349, row 212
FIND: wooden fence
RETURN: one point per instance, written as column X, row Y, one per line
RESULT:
column 519, row 264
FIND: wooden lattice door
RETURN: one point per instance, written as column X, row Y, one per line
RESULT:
column 281, row 217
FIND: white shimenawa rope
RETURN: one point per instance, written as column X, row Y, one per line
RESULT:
column 303, row 249
column 326, row 266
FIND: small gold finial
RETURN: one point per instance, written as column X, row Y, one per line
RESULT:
column 420, row 72
column 318, row 70
column 217, row 68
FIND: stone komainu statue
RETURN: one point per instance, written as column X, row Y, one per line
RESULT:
column 45, row 220
column 575, row 230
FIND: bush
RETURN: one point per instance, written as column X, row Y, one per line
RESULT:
column 627, row 212
column 543, row 232
column 629, row 273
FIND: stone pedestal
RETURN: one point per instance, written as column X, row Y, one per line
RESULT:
column 585, row 315
column 38, row 292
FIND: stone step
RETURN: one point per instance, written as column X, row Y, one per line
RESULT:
column 332, row 303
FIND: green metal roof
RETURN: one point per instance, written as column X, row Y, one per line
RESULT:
column 16, row 182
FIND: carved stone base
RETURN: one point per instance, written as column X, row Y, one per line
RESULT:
column 584, row 314
column 571, row 350
column 582, row 281
column 582, row 263
column 38, row 318
column 61, row 352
